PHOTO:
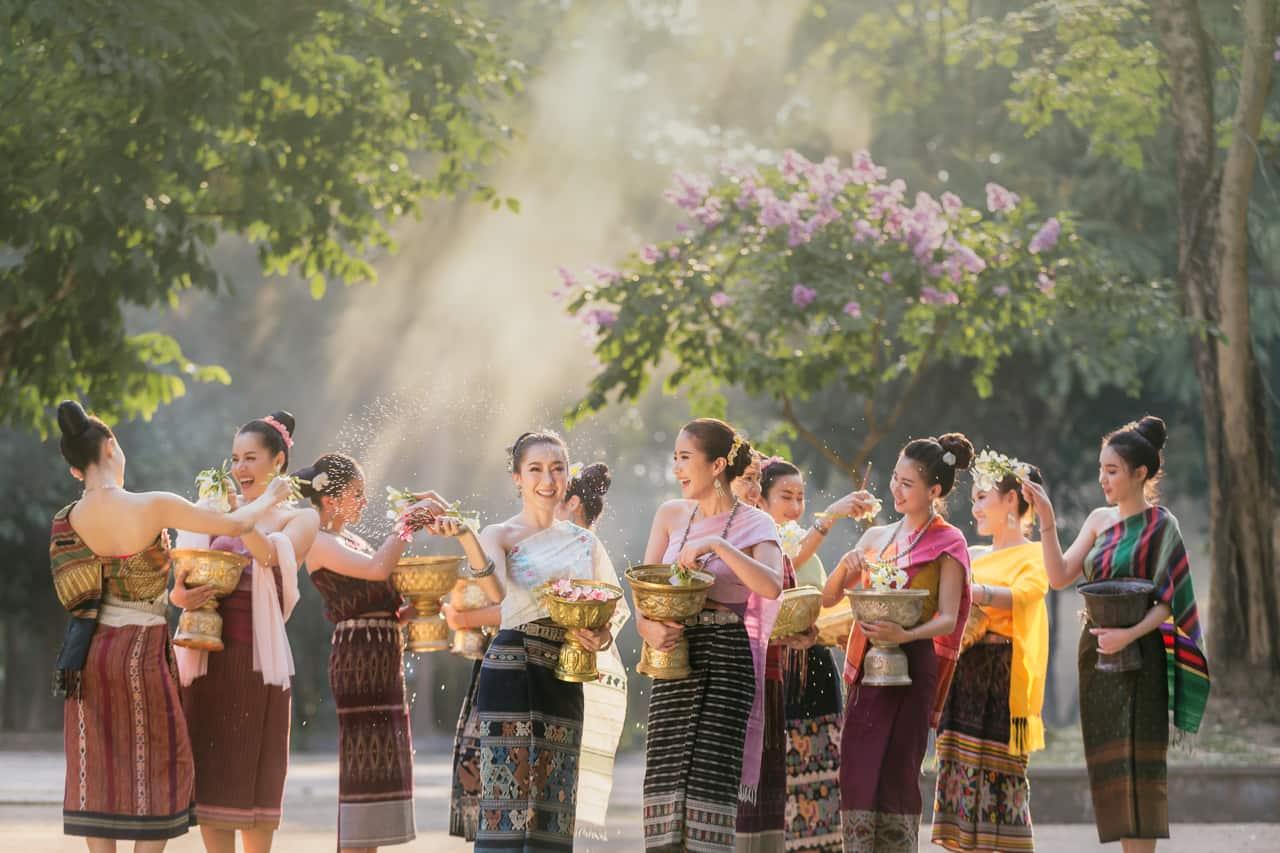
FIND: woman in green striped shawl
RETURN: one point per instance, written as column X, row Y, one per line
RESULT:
column 1125, row 716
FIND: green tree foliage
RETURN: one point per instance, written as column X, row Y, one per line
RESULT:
column 807, row 279
column 136, row 133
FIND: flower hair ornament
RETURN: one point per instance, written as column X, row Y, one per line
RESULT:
column 733, row 451
column 575, row 470
column 320, row 482
column 991, row 468
column 765, row 463
column 949, row 458
column 280, row 428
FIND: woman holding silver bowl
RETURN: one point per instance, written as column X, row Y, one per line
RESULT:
column 886, row 728
column 1125, row 716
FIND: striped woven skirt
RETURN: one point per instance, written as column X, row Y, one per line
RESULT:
column 693, row 752
column 814, row 709
column 464, row 800
column 375, row 752
column 1124, row 717
column 239, row 730
column 983, row 799
column 530, row 737
column 129, row 767
column 882, row 745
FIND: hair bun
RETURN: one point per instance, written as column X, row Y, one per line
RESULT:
column 287, row 419
column 596, row 478
column 72, row 419
column 1153, row 430
column 304, row 478
column 958, row 445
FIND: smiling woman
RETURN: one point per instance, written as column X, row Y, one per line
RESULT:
column 237, row 701
column 528, row 723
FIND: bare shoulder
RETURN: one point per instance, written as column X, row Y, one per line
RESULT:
column 674, row 511
column 876, row 536
column 1101, row 518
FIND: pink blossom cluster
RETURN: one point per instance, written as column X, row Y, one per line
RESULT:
column 566, row 590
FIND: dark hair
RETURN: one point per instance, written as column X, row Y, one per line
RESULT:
column 929, row 453
column 522, row 444
column 82, row 435
column 1141, row 444
column 1009, row 483
column 770, row 473
column 716, row 439
column 271, row 437
column 339, row 470
column 590, row 487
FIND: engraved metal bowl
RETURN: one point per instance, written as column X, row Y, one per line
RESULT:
column 576, row 663
column 886, row 664
column 425, row 581
column 658, row 599
column 201, row 628
column 800, row 609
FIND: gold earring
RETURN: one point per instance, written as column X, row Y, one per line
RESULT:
column 719, row 489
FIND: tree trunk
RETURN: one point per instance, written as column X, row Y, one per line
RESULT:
column 1212, row 272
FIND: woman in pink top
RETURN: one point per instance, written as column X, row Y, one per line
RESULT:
column 705, row 732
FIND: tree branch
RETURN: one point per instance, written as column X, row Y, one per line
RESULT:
column 811, row 438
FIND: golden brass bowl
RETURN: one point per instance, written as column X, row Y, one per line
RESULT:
column 578, row 664
column 202, row 628
column 886, row 663
column 656, row 598
column 469, row 643
column 800, row 609
column 834, row 624
column 425, row 581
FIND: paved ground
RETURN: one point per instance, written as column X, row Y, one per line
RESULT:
column 31, row 796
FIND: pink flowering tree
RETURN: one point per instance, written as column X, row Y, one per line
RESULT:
column 812, row 278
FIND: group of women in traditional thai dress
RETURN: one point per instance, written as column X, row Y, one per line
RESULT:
column 765, row 746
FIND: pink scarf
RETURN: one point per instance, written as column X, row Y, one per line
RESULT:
column 750, row 527
column 941, row 539
column 272, row 655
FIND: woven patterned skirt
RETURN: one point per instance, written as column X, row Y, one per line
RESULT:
column 882, row 745
column 693, row 751
column 464, row 800
column 239, row 730
column 762, row 825
column 814, row 706
column 530, row 737
column 129, row 765
column 1124, row 717
column 982, row 800
column 375, row 752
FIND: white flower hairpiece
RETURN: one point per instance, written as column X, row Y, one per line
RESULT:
column 990, row 468
column 575, row 470
column 320, row 481
column 949, row 458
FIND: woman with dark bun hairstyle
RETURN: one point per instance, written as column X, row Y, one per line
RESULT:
column 991, row 723
column 129, row 766
column 237, row 700
column 366, row 672
column 1125, row 716
column 886, row 728
column 705, row 732
column 530, row 723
